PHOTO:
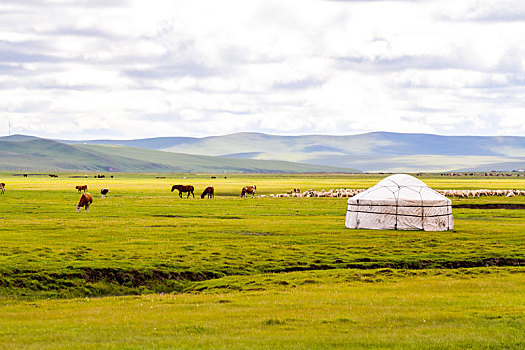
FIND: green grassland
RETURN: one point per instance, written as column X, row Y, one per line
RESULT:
column 251, row 273
column 26, row 154
column 328, row 310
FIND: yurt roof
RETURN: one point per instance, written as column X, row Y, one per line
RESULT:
column 400, row 187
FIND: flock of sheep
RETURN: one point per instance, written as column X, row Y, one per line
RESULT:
column 348, row 192
column 481, row 193
column 296, row 193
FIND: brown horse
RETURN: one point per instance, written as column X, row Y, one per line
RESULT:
column 2, row 187
column 184, row 188
column 246, row 190
column 210, row 191
column 85, row 201
column 81, row 188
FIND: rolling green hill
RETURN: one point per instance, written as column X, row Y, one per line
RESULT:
column 378, row 151
column 22, row 153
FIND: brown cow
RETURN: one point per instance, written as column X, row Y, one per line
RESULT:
column 184, row 188
column 85, row 201
column 81, row 188
column 210, row 191
column 246, row 190
column 2, row 187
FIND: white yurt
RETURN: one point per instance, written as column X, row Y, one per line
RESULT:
column 400, row 202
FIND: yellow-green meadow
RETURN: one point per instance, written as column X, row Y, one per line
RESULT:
column 147, row 269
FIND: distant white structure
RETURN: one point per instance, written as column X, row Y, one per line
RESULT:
column 400, row 202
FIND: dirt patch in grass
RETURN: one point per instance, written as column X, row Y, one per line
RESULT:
column 138, row 278
column 411, row 265
column 199, row 216
column 490, row 206
column 97, row 282
column 252, row 233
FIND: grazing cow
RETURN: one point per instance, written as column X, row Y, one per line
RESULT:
column 246, row 190
column 2, row 187
column 104, row 192
column 53, row 175
column 85, row 201
column 210, row 191
column 81, row 188
column 184, row 188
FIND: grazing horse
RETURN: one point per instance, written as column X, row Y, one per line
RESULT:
column 85, row 201
column 210, row 191
column 81, row 188
column 104, row 192
column 184, row 188
column 246, row 190
column 2, row 187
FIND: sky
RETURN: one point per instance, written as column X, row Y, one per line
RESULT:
column 81, row 69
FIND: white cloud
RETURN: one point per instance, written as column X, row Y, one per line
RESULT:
column 135, row 69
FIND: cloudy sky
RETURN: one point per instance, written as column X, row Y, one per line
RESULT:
column 84, row 69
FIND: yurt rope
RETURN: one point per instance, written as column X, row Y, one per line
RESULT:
column 406, row 215
column 448, row 216
column 357, row 216
column 422, row 210
column 397, row 200
column 407, row 206
column 397, row 204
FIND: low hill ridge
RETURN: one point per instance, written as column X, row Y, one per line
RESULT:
column 22, row 153
column 375, row 151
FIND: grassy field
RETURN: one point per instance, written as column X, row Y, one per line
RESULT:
column 251, row 273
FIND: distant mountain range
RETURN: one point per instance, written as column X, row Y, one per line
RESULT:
column 255, row 152
column 28, row 154
column 377, row 151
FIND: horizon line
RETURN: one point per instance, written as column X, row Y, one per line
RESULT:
column 258, row 133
